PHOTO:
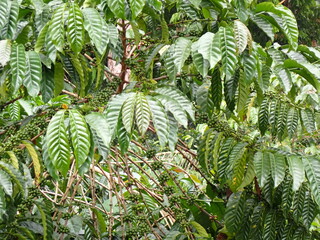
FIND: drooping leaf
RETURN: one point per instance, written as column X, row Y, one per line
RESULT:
column 262, row 167
column 18, row 66
column 47, row 84
column 308, row 120
column 228, row 51
column 182, row 49
column 128, row 110
column 58, row 143
column 234, row 212
column 4, row 6
column 296, row 170
column 160, row 120
column 278, row 168
column 5, row 183
column 209, row 47
column 142, row 113
column 80, row 137
column 241, row 34
column 292, row 121
column 136, row 7
column 57, row 28
column 264, row 25
column 33, row 74
column 75, row 31
column 118, row 8
column 312, row 170
column 102, row 128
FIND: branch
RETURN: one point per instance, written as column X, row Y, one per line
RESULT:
column 8, row 103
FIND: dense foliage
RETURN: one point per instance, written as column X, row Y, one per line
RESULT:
column 150, row 119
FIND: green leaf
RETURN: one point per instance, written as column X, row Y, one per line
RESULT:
column 169, row 64
column 312, row 169
column 57, row 28
column 5, row 50
column 262, row 167
column 284, row 77
column 234, row 212
column 114, row 109
column 173, row 133
column 128, row 109
column 175, row 108
column 142, row 113
column 58, row 143
column 18, row 66
column 201, row 64
column 292, row 121
column 58, row 78
column 35, row 160
column 98, row 122
column 180, row 98
column 249, row 175
column 149, row 59
column 47, row 84
column 228, row 51
column 118, row 8
column 216, row 88
column 9, row 30
column 47, row 222
column 80, row 137
column 201, row 230
column 264, row 25
column 242, row 35
column 269, row 231
column 296, row 170
column 308, row 120
column 96, row 28
column 136, row 7
column 33, row 73
column 75, row 31
column 182, row 49
column 4, row 7
column 123, row 136
column 159, row 120
column 209, row 47
column 15, row 176
column 305, row 70
column 41, row 40
column 81, row 70
column 5, row 183
column 278, row 168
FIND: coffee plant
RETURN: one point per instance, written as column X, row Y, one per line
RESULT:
column 152, row 119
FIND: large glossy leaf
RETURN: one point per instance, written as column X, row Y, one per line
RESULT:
column 242, row 35
column 209, row 47
column 128, row 110
column 142, row 113
column 58, row 78
column 136, row 7
column 75, row 31
column 284, row 77
column 33, row 74
column 160, row 120
column 101, row 126
column 5, row 51
column 234, row 212
column 292, row 121
column 15, row 175
column 173, row 131
column 9, row 29
column 180, row 98
column 278, row 168
column 96, row 28
column 169, row 64
column 41, row 40
column 264, row 25
column 182, row 49
column 58, row 143
column 262, row 167
column 228, row 51
column 175, row 108
column 114, row 109
column 296, row 170
column 57, row 28
column 118, row 8
column 18, row 66
column 80, row 137
column 199, row 61
column 308, row 120
column 47, row 84
column 312, row 169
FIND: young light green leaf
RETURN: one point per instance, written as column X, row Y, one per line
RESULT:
column 241, row 34
column 118, row 8
column 182, row 49
column 136, row 7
